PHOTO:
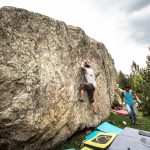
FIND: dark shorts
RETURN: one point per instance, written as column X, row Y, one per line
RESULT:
column 90, row 90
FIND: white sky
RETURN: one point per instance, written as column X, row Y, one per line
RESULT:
column 122, row 26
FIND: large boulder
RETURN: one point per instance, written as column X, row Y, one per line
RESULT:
column 39, row 80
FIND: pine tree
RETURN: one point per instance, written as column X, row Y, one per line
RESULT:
column 135, row 68
column 122, row 79
column 146, row 88
column 136, row 78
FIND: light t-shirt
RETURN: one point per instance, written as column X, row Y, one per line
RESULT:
column 90, row 76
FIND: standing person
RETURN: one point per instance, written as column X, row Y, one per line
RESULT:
column 90, row 85
column 129, row 97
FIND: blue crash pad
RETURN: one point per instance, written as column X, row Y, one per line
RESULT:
column 92, row 134
column 109, row 128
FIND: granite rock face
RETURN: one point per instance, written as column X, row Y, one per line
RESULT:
column 39, row 80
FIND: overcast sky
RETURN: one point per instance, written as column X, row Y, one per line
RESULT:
column 122, row 25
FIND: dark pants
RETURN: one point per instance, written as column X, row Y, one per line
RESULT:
column 90, row 90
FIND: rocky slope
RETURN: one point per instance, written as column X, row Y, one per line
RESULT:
column 39, row 80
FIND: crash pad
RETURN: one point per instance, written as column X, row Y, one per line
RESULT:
column 144, row 133
column 101, row 140
column 120, row 112
column 86, row 148
column 130, row 139
column 92, row 134
column 109, row 128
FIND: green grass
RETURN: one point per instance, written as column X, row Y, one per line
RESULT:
column 144, row 122
column 76, row 140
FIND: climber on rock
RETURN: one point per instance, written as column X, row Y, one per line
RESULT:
column 90, row 85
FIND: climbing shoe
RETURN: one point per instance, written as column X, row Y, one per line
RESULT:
column 81, row 99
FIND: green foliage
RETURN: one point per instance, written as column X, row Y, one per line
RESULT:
column 137, row 82
column 116, row 97
column 135, row 68
column 118, row 121
column 136, row 78
column 146, row 88
column 75, row 141
column 140, row 83
column 122, row 80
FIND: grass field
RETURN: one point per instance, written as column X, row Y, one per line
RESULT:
column 76, row 140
